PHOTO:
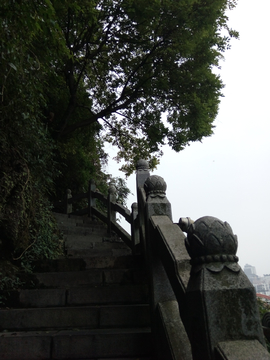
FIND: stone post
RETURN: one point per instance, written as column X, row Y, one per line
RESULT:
column 142, row 174
column 222, row 306
column 111, row 214
column 156, row 204
column 135, row 234
column 69, row 205
column 160, row 287
column 91, row 199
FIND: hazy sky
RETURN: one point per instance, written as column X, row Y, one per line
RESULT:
column 228, row 174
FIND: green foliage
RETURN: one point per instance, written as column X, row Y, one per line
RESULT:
column 27, row 165
column 74, row 74
column 263, row 306
column 143, row 70
column 47, row 243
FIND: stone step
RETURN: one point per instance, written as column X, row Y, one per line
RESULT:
column 78, row 242
column 125, row 358
column 58, row 265
column 82, row 231
column 79, row 260
column 64, row 218
column 90, row 256
column 117, row 259
column 76, row 344
column 90, row 277
column 96, row 295
column 90, row 317
column 80, row 220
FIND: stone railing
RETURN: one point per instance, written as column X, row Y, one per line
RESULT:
column 203, row 306
column 109, row 217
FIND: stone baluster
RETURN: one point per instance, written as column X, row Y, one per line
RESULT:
column 68, row 204
column 160, row 288
column 135, row 233
column 222, row 308
column 111, row 214
column 142, row 174
column 91, row 199
column 142, row 168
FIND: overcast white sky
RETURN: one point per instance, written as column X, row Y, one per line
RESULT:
column 228, row 174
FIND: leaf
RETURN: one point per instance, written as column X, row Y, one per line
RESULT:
column 13, row 66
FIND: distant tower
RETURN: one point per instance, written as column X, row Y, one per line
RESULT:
column 250, row 271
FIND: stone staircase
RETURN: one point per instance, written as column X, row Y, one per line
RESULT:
column 91, row 305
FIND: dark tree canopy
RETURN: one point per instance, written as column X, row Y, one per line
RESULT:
column 142, row 70
column 77, row 73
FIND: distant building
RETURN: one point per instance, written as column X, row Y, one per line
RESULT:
column 261, row 284
column 250, row 271
column 263, row 297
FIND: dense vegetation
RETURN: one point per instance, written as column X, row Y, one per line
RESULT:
column 75, row 74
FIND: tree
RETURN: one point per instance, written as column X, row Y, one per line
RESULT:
column 144, row 71
column 77, row 73
column 27, row 164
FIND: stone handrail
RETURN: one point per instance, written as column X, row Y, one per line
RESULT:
column 109, row 217
column 203, row 307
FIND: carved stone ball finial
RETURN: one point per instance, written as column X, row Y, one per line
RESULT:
column 134, row 206
column 211, row 241
column 142, row 165
column 155, row 186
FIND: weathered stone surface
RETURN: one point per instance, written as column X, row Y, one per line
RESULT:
column 101, row 343
column 76, row 344
column 171, row 244
column 49, row 318
column 174, row 342
column 59, row 265
column 105, row 261
column 124, row 316
column 90, row 317
column 70, row 279
column 108, row 294
column 25, row 346
column 120, row 276
column 221, row 300
column 42, row 297
column 101, row 312
column 64, row 218
column 93, row 242
column 241, row 350
column 157, row 203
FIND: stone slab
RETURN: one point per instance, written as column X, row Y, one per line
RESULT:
column 25, row 346
column 124, row 316
column 131, row 342
column 58, row 265
column 241, row 350
column 108, row 261
column 75, row 317
column 42, row 297
column 120, row 276
column 49, row 318
column 70, row 279
column 83, row 231
column 114, row 294
column 76, row 344
column 94, row 240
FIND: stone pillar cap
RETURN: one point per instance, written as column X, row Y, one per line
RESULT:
column 142, row 165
